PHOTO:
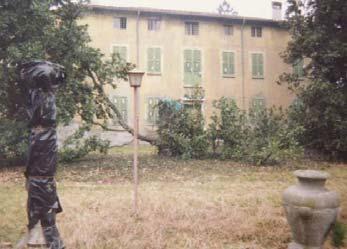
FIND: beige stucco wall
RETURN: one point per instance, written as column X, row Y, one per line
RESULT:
column 211, row 41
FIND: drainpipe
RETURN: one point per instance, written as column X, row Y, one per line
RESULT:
column 138, row 39
column 243, row 64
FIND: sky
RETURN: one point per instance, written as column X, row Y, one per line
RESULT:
column 249, row 8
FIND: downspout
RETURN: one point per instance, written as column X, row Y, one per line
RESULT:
column 138, row 39
column 243, row 64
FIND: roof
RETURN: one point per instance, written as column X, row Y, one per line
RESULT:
column 186, row 14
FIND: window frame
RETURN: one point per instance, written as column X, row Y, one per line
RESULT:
column 149, row 72
column 257, row 31
column 115, row 121
column 153, row 24
column 122, row 22
column 192, row 85
column 262, row 76
column 121, row 45
column 222, row 63
column 230, row 29
column 258, row 98
column 299, row 72
column 189, row 28
column 148, row 121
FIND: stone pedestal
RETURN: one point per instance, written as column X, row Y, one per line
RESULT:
column 311, row 209
column 36, row 238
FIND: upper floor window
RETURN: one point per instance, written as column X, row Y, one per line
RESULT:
column 192, row 67
column 120, row 22
column 154, row 23
column 120, row 51
column 154, row 60
column 257, row 66
column 192, row 28
column 228, row 29
column 228, row 64
column 298, row 68
column 256, row 31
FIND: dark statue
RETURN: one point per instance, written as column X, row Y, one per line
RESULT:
column 42, row 79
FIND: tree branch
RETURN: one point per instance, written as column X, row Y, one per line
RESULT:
column 122, row 123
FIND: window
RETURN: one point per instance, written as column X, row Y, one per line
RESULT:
column 153, row 60
column 121, row 51
column 122, row 105
column 120, row 22
column 228, row 29
column 228, row 64
column 256, row 31
column 192, row 28
column 258, row 103
column 154, row 24
column 152, row 110
column 298, row 68
column 257, row 66
column 192, row 67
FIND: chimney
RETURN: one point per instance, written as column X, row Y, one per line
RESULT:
column 276, row 10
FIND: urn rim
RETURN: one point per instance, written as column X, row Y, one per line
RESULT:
column 312, row 174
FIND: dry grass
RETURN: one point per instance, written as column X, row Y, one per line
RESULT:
column 183, row 204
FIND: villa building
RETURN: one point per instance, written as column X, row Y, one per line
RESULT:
column 224, row 55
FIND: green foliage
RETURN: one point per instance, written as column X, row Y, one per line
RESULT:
column 13, row 142
column 77, row 146
column 49, row 30
column 339, row 234
column 319, row 35
column 261, row 136
column 181, row 131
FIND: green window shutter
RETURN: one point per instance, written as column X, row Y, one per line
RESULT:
column 122, row 106
column 260, row 65
column 192, row 67
column 150, row 62
column 157, row 56
column 154, row 60
column 257, row 66
column 228, row 63
column 152, row 110
column 121, row 51
column 188, row 67
column 298, row 68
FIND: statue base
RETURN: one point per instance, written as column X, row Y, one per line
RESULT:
column 295, row 245
column 36, row 238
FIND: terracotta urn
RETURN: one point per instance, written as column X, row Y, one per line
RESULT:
column 311, row 209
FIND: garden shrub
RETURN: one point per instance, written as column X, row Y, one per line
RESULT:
column 260, row 136
column 181, row 131
column 77, row 146
column 13, row 142
column 339, row 234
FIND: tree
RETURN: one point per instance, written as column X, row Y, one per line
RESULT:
column 49, row 30
column 319, row 37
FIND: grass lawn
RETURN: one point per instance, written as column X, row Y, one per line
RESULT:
column 183, row 204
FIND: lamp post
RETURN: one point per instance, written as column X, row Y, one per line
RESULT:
column 135, row 79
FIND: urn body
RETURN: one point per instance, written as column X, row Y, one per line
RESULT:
column 311, row 209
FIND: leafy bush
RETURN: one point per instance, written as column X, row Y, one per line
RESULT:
column 261, row 136
column 77, row 146
column 181, row 131
column 339, row 234
column 271, row 139
column 13, row 142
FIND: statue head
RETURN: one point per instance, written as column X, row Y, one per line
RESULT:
column 42, row 74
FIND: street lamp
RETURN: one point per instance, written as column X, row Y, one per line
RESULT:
column 135, row 79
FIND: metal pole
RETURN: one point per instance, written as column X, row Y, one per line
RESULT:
column 135, row 168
